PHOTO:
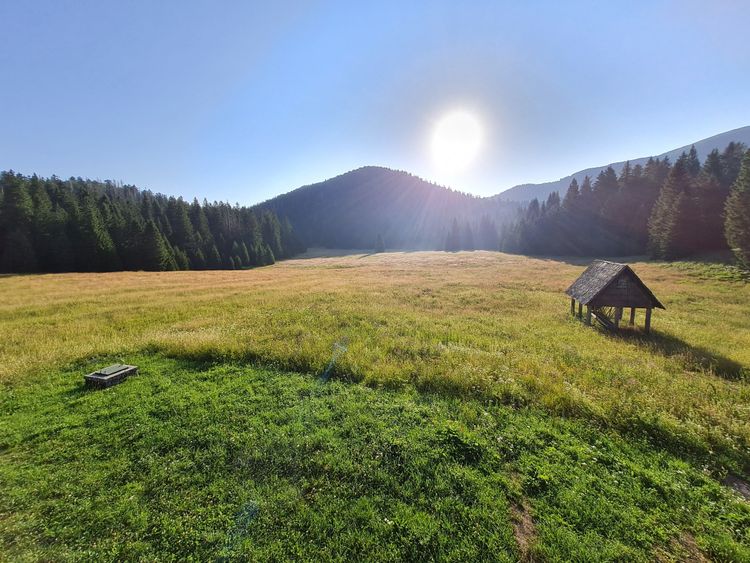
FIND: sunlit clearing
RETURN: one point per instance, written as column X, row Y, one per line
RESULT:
column 456, row 141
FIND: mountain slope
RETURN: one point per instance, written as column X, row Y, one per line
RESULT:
column 351, row 210
column 527, row 192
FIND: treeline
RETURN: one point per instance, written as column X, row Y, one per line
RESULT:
column 669, row 211
column 54, row 225
column 356, row 209
column 462, row 236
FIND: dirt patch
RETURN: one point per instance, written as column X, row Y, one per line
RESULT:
column 738, row 485
column 694, row 555
column 684, row 548
column 524, row 530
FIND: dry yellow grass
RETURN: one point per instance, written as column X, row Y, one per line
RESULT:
column 482, row 323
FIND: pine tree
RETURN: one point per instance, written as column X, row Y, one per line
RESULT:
column 198, row 260
column 731, row 162
column 183, row 234
column 154, row 251
column 710, row 199
column 488, row 238
column 586, row 189
column 605, row 187
column 672, row 224
column 213, row 258
column 693, row 163
column 95, row 250
column 467, row 237
column 268, row 256
column 181, row 259
column 271, row 231
column 737, row 223
column 379, row 244
column 571, row 196
column 18, row 255
column 18, row 208
column 244, row 255
column 453, row 239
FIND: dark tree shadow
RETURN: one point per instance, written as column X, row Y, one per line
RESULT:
column 695, row 357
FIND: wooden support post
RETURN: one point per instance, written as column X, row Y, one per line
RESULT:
column 618, row 316
column 580, row 310
column 632, row 316
column 648, row 320
column 588, row 314
column 572, row 306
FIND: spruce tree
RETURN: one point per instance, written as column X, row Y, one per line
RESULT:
column 673, row 222
column 693, row 163
column 467, row 237
column 488, row 238
column 570, row 201
column 737, row 223
column 95, row 250
column 379, row 244
column 154, row 252
column 179, row 218
column 710, row 199
column 268, row 256
column 244, row 254
column 181, row 259
column 18, row 208
column 213, row 258
column 18, row 253
column 271, row 231
column 453, row 239
column 731, row 162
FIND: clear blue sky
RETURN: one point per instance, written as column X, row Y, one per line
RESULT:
column 240, row 101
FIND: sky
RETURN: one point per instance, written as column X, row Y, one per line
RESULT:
column 241, row 101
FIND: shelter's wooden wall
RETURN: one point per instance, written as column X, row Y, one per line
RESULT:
column 615, row 295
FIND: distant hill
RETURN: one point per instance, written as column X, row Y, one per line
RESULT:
column 527, row 192
column 351, row 210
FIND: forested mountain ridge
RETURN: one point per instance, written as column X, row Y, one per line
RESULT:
column 352, row 210
column 527, row 192
column 54, row 225
column 668, row 210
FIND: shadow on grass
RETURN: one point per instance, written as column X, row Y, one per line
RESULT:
column 694, row 357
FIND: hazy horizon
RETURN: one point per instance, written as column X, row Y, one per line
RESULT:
column 248, row 102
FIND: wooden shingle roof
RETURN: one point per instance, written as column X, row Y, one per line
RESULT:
column 598, row 276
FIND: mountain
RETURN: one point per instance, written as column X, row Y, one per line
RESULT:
column 527, row 192
column 351, row 210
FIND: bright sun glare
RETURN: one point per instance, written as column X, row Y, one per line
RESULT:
column 456, row 141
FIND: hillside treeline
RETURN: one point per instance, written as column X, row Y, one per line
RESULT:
column 372, row 203
column 664, row 209
column 54, row 225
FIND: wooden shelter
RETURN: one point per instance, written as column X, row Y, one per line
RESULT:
column 605, row 288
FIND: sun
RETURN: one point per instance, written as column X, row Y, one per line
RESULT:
column 456, row 141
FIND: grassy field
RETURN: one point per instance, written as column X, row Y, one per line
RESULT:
column 489, row 424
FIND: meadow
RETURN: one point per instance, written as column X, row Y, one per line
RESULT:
column 469, row 417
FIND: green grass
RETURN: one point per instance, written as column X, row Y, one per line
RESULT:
column 191, row 460
column 470, row 417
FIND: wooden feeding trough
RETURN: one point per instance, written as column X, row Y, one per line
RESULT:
column 606, row 288
column 111, row 375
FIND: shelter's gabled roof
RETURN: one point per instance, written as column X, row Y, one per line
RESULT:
column 598, row 276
